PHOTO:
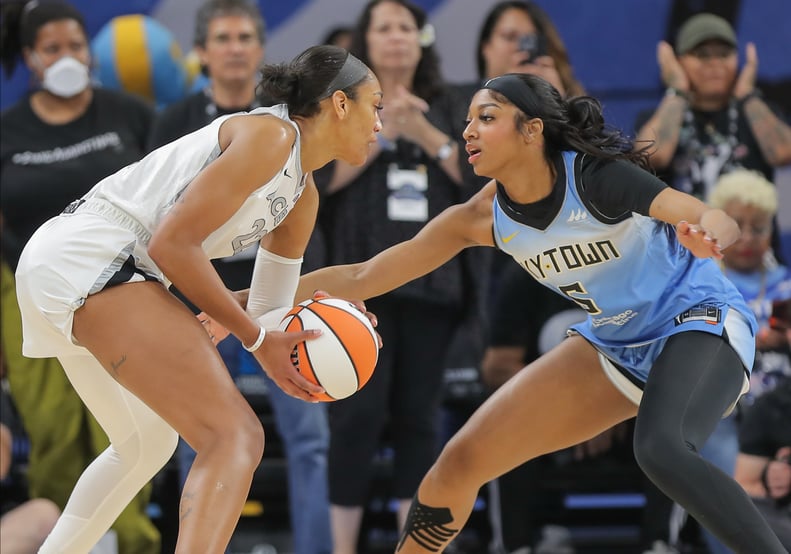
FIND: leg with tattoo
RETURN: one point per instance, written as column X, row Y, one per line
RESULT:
column 428, row 527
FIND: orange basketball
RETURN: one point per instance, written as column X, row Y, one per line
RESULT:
column 343, row 358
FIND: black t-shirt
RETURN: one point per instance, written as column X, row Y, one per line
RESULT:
column 708, row 147
column 190, row 114
column 43, row 167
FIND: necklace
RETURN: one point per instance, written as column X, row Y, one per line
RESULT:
column 701, row 162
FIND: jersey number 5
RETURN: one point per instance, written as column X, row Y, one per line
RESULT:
column 573, row 291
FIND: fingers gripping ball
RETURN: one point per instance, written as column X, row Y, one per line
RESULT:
column 343, row 358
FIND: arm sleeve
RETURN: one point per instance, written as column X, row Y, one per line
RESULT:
column 616, row 187
column 273, row 285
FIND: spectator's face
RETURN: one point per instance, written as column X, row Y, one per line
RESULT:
column 747, row 253
column 55, row 40
column 501, row 51
column 392, row 38
column 711, row 68
column 233, row 51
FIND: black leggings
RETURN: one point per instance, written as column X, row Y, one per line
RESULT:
column 692, row 383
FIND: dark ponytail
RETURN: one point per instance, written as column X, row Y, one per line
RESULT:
column 587, row 132
column 310, row 78
column 573, row 124
column 20, row 22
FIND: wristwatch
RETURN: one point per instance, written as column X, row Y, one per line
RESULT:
column 444, row 151
column 673, row 91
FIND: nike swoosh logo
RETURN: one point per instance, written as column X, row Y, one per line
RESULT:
column 510, row 237
column 285, row 172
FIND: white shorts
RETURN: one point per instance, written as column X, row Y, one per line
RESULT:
column 69, row 258
column 740, row 338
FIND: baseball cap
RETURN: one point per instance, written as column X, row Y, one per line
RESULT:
column 702, row 27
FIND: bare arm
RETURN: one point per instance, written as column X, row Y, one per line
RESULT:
column 703, row 230
column 771, row 133
column 663, row 130
column 456, row 228
column 665, row 125
column 254, row 149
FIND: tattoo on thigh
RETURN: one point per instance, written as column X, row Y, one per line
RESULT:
column 427, row 526
column 185, row 508
column 117, row 365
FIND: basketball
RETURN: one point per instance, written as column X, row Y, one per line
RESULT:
column 343, row 358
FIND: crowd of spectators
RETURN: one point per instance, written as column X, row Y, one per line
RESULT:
column 712, row 134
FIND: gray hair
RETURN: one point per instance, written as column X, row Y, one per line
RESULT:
column 213, row 9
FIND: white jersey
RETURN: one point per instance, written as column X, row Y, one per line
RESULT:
column 102, row 239
column 148, row 189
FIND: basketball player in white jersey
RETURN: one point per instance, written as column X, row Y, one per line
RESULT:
column 92, row 287
column 668, row 338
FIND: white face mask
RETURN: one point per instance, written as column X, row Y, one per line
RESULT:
column 67, row 77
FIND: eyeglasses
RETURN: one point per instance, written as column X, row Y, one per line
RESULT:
column 706, row 53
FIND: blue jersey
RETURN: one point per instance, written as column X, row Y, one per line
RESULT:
column 637, row 283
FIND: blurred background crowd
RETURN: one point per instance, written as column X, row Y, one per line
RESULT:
column 90, row 86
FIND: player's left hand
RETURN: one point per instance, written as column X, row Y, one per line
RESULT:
column 698, row 241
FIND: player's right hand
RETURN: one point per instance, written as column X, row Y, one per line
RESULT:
column 274, row 355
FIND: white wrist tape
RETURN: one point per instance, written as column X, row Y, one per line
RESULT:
column 274, row 283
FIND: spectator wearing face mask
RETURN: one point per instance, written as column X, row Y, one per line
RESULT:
column 58, row 141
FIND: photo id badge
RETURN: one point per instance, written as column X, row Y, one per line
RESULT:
column 407, row 200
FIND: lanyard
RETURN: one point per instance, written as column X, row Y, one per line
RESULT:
column 212, row 110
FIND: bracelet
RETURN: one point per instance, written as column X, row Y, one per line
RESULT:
column 444, row 151
column 673, row 91
column 755, row 93
column 257, row 344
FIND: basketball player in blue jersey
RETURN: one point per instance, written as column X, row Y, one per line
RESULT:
column 667, row 337
column 92, row 288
